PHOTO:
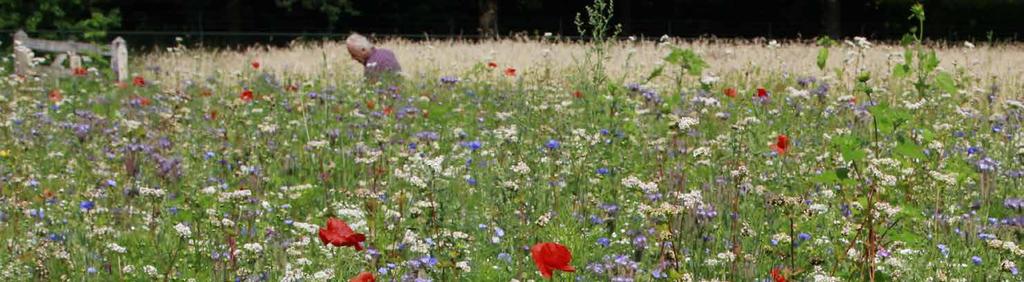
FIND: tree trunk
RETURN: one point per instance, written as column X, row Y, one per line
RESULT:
column 831, row 18
column 489, row 18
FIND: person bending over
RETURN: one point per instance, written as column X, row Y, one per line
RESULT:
column 378, row 63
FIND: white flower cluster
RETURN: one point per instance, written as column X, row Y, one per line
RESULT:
column 685, row 123
column 183, row 230
column 116, row 248
column 155, row 193
column 235, row 195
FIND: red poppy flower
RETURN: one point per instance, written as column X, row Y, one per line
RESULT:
column 55, row 96
column 492, row 65
column 510, row 71
column 370, row 105
column 213, row 115
column 255, row 65
column 246, row 95
column 781, row 144
column 339, row 234
column 79, row 71
column 363, row 277
column 388, row 110
column 777, row 275
column 139, row 81
column 577, row 94
column 550, row 256
column 761, row 92
column 143, row 101
column 731, row 92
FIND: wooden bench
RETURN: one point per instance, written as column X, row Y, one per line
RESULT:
column 68, row 50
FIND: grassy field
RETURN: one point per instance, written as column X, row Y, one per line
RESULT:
column 223, row 165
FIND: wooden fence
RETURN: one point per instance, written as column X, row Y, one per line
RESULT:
column 68, row 50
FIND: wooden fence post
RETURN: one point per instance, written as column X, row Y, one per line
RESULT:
column 75, row 62
column 22, row 54
column 22, row 60
column 119, row 58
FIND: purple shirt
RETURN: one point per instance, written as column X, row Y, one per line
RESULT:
column 381, row 61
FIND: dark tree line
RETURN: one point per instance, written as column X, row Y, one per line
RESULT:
column 947, row 19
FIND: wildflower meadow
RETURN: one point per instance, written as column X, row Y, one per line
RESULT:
column 632, row 159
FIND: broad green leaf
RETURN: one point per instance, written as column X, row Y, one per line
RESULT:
column 850, row 147
column 910, row 150
column 945, row 82
column 901, row 70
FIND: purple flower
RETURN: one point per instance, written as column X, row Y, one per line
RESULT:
column 428, row 136
column 976, row 260
column 603, row 171
column 449, row 79
column 987, row 164
column 604, row 241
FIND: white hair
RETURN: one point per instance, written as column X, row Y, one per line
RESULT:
column 358, row 42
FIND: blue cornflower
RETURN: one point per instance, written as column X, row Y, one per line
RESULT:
column 976, row 260
column 91, row 270
column 428, row 261
column 604, row 241
column 944, row 250
column 87, row 205
column 553, row 144
column 803, row 236
column 111, row 183
column 471, row 181
column 603, row 171
column 473, row 145
column 972, row 150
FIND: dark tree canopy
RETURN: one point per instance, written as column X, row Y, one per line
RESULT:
column 242, row 21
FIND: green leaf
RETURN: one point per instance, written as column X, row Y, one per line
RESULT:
column 686, row 59
column 901, row 70
column 850, row 147
column 657, row 72
column 909, row 149
column 827, row 177
column 945, row 82
column 822, row 58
